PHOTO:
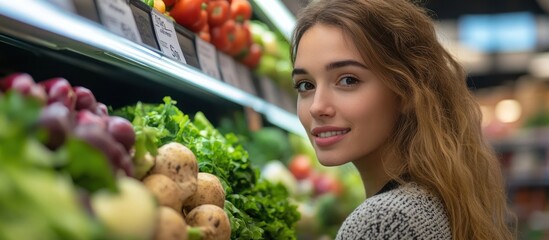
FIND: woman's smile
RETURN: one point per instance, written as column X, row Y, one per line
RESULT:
column 327, row 136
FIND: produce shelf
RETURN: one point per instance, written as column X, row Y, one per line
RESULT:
column 44, row 24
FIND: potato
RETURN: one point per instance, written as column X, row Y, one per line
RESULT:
column 166, row 191
column 170, row 226
column 212, row 222
column 178, row 163
column 209, row 191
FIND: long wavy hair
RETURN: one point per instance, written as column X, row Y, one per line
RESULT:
column 438, row 134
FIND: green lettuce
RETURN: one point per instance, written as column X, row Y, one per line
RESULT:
column 257, row 209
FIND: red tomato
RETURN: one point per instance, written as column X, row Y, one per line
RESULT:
column 240, row 41
column 199, row 25
column 252, row 57
column 187, row 12
column 169, row 3
column 326, row 184
column 218, row 12
column 246, row 25
column 223, row 36
column 300, row 166
column 241, row 10
column 204, row 34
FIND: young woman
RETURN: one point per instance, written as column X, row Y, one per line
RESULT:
column 378, row 90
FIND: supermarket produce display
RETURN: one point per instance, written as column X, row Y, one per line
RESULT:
column 185, row 177
column 93, row 163
column 208, row 75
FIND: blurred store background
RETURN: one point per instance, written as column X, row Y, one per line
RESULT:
column 504, row 46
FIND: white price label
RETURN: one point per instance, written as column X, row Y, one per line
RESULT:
column 167, row 37
column 228, row 70
column 245, row 77
column 117, row 16
column 207, row 58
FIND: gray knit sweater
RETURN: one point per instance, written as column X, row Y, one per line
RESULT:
column 404, row 212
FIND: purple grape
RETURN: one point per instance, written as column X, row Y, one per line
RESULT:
column 101, row 109
column 20, row 82
column 55, row 118
column 85, row 99
column 38, row 92
column 115, row 153
column 98, row 138
column 60, row 90
column 122, row 131
column 85, row 117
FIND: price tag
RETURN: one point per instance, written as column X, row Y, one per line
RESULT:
column 245, row 77
column 143, row 22
column 117, row 16
column 207, row 58
column 228, row 70
column 186, row 42
column 167, row 37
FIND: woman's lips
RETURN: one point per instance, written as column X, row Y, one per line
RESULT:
column 328, row 135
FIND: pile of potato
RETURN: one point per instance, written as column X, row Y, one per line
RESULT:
column 191, row 203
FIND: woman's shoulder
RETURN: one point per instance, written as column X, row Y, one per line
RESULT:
column 408, row 211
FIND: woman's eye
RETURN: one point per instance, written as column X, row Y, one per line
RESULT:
column 348, row 81
column 304, row 86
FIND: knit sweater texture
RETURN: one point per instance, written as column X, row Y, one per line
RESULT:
column 407, row 211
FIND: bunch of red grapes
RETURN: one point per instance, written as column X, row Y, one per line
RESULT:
column 74, row 111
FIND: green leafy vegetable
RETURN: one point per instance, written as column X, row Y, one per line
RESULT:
column 256, row 208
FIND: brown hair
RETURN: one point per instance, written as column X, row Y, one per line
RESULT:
column 438, row 134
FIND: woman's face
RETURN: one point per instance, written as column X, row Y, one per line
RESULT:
column 346, row 110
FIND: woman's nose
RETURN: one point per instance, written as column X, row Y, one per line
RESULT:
column 322, row 105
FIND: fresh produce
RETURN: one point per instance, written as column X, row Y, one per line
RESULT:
column 223, row 23
column 128, row 214
column 317, row 190
column 55, row 118
column 142, row 165
column 37, row 184
column 169, row 3
column 241, row 10
column 170, row 226
column 159, row 5
column 209, row 191
column 23, row 83
column 75, row 112
column 218, row 13
column 211, row 221
column 223, row 36
column 201, row 23
column 122, row 131
column 177, row 162
column 252, row 57
column 275, row 60
column 256, row 208
column 301, row 166
column 85, row 99
column 276, row 172
column 186, row 12
column 165, row 190
column 74, row 138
